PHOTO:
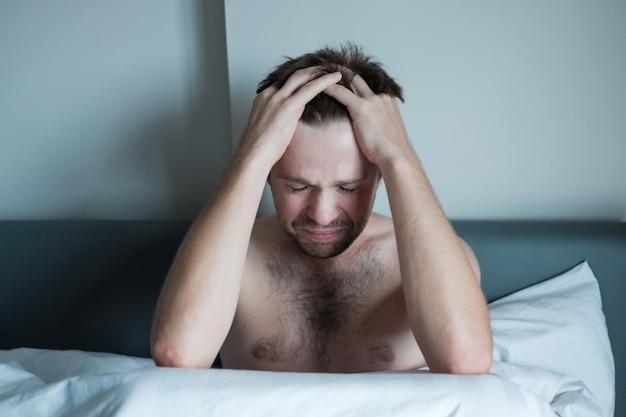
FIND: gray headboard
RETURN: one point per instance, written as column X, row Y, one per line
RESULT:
column 513, row 255
column 92, row 285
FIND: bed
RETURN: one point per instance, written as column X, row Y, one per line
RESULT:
column 76, row 303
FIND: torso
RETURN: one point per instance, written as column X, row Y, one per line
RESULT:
column 344, row 314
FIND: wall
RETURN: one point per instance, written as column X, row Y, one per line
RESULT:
column 120, row 109
column 112, row 109
column 517, row 110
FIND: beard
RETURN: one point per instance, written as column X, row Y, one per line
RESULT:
column 296, row 230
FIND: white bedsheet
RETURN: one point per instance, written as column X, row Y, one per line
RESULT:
column 75, row 383
column 551, row 349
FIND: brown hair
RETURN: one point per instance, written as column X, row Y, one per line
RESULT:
column 323, row 108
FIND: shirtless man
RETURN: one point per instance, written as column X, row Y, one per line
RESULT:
column 324, row 285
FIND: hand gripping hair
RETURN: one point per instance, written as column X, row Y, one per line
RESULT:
column 348, row 59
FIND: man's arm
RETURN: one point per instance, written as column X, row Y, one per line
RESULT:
column 199, row 298
column 445, row 304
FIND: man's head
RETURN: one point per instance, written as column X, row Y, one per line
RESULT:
column 349, row 59
column 324, row 189
column 324, row 186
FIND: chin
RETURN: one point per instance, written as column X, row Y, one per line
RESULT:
column 324, row 251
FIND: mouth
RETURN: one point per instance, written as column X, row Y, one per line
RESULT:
column 323, row 235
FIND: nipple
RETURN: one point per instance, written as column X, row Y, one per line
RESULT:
column 386, row 356
column 264, row 349
column 260, row 351
column 382, row 354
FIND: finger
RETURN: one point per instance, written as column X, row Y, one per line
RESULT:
column 342, row 94
column 315, row 86
column 300, row 78
column 267, row 92
column 360, row 86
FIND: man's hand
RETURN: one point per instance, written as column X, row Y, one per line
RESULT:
column 376, row 120
column 275, row 112
column 200, row 295
column 444, row 302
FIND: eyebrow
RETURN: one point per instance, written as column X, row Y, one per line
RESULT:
column 302, row 181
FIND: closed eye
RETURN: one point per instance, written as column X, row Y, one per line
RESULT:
column 347, row 190
column 298, row 189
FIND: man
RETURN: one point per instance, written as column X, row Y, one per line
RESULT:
column 324, row 285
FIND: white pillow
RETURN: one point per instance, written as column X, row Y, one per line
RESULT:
column 558, row 325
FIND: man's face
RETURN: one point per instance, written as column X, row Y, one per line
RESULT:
column 324, row 189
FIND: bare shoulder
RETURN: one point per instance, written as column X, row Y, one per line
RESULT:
column 380, row 236
column 265, row 238
column 382, row 230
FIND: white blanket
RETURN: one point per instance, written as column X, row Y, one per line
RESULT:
column 75, row 383
column 551, row 349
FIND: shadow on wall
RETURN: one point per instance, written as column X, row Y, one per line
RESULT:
column 196, row 163
column 168, row 166
column 111, row 116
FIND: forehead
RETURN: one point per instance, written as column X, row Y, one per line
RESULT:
column 336, row 135
column 327, row 152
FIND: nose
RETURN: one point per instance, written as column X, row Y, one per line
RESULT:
column 323, row 208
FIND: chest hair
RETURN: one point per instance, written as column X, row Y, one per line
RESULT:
column 319, row 301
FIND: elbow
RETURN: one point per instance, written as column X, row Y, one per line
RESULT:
column 475, row 364
column 167, row 354
column 475, row 360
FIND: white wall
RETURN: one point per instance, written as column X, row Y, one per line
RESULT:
column 119, row 109
column 517, row 110
column 111, row 109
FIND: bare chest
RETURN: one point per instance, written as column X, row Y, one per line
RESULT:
column 336, row 318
